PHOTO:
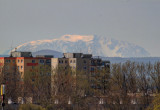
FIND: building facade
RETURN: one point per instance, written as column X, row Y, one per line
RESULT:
column 13, row 69
column 79, row 62
column 19, row 66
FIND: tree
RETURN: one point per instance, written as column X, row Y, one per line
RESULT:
column 63, row 82
column 143, row 83
column 119, row 81
column 10, row 77
column 155, row 75
column 37, row 85
column 155, row 105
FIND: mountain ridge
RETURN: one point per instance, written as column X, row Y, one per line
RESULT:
column 93, row 44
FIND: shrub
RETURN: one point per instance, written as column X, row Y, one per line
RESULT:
column 30, row 107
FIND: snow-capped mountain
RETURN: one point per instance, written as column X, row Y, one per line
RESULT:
column 96, row 45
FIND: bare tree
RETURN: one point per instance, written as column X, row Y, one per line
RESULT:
column 143, row 83
column 37, row 85
column 63, row 86
column 155, row 75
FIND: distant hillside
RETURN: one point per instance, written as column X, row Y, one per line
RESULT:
column 4, row 55
column 133, row 59
column 57, row 54
column 111, row 59
column 48, row 52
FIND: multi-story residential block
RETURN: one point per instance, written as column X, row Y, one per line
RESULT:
column 19, row 64
column 82, row 62
column 99, row 74
column 15, row 68
column 75, row 61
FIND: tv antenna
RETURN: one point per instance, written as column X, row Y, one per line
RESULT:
column 11, row 46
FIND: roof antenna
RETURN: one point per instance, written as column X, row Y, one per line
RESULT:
column 11, row 46
column 15, row 49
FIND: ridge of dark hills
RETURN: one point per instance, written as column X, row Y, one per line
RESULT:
column 57, row 54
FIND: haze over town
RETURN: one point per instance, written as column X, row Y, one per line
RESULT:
column 134, row 21
column 80, row 54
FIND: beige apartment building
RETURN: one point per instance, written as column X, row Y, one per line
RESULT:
column 82, row 63
column 74, row 61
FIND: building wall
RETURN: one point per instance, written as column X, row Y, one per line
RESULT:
column 82, row 63
column 15, row 68
column 79, row 64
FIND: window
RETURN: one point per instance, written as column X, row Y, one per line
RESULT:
column 21, row 61
column 33, row 61
column 18, row 67
column 32, row 67
column 74, row 61
column 8, row 61
column 48, row 61
column 84, row 61
column 41, row 61
column 62, row 61
column 59, row 61
column 21, row 67
column 13, row 61
column 92, row 69
column 48, row 74
column 84, row 67
column 18, row 61
column 99, row 68
column 65, row 61
column 70, row 61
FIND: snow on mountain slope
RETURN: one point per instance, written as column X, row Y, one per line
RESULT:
column 96, row 45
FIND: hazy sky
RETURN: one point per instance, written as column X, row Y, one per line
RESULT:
column 135, row 21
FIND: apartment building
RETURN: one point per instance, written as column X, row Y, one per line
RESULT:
column 75, row 61
column 99, row 74
column 14, row 68
column 82, row 62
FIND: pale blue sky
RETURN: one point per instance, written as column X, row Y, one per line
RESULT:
column 135, row 21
